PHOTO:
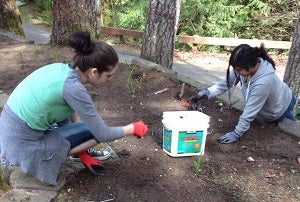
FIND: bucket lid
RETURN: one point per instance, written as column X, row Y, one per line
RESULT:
column 185, row 120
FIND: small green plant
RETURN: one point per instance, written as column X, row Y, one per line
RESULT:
column 298, row 112
column 225, row 180
column 4, row 186
column 219, row 102
column 57, row 56
column 112, row 41
column 198, row 164
column 129, row 84
column 129, row 80
column 22, row 54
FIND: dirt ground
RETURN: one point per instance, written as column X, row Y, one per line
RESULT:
column 143, row 171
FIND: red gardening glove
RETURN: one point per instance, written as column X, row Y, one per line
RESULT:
column 140, row 129
column 91, row 163
column 186, row 104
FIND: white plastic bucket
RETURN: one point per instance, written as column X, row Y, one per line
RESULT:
column 184, row 132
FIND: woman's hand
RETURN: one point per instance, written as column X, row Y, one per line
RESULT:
column 139, row 129
column 229, row 138
column 196, row 102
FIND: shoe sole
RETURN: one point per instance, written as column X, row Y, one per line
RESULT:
column 101, row 158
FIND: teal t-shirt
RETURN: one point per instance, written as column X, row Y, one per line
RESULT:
column 38, row 99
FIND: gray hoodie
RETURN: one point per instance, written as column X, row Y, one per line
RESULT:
column 265, row 94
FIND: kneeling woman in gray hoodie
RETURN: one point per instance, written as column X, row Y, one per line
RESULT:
column 265, row 94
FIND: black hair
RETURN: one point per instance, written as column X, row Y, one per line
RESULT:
column 246, row 57
column 90, row 54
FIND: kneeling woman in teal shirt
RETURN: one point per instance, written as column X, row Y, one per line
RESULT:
column 55, row 95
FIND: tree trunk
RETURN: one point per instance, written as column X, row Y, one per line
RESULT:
column 160, row 32
column 75, row 15
column 292, row 71
column 10, row 18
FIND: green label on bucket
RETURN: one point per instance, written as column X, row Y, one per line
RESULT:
column 189, row 142
column 167, row 139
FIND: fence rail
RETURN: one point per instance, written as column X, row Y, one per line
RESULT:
column 121, row 32
column 233, row 42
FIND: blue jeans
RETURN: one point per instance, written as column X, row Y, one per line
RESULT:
column 76, row 133
column 288, row 114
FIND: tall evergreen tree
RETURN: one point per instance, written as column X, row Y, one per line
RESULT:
column 75, row 15
column 292, row 71
column 10, row 18
column 159, row 37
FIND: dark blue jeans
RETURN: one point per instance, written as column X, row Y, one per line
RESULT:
column 76, row 133
column 288, row 114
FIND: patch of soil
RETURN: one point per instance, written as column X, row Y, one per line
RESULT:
column 143, row 171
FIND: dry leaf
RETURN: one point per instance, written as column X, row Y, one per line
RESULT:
column 273, row 173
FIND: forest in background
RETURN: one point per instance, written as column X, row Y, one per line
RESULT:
column 262, row 19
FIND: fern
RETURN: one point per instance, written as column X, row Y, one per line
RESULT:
column 125, row 13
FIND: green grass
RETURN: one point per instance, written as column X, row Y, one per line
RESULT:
column 31, row 14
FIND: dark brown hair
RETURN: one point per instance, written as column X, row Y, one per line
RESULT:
column 246, row 57
column 89, row 54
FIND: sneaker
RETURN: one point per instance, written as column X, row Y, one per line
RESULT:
column 97, row 154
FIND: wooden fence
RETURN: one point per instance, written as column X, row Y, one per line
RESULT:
column 122, row 33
